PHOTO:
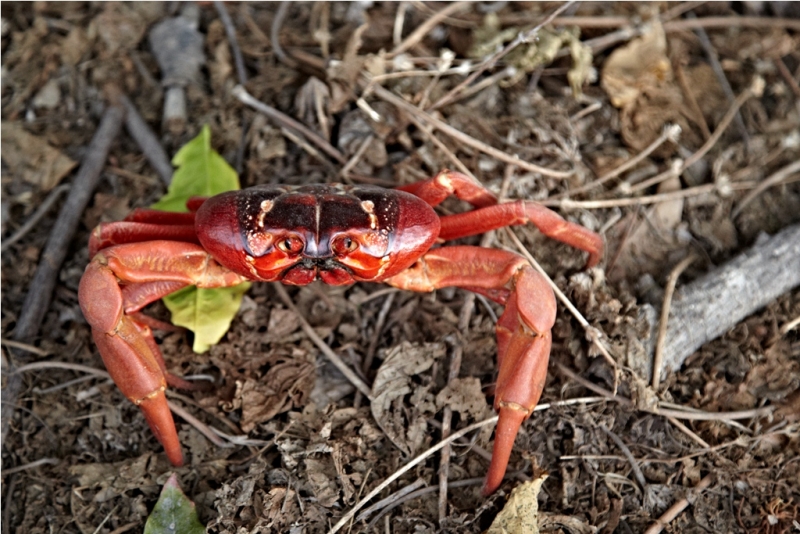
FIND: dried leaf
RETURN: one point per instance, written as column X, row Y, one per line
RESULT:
column 520, row 515
column 538, row 53
column 120, row 27
column 287, row 384
column 111, row 480
column 32, row 158
column 75, row 45
column 639, row 79
column 392, row 383
column 465, row 396
column 322, row 479
column 637, row 67
column 650, row 244
column 343, row 75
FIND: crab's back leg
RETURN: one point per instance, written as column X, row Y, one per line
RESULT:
column 523, row 330
column 518, row 212
column 150, row 270
column 490, row 215
column 446, row 183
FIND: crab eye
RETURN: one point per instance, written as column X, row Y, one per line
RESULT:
column 290, row 245
column 344, row 245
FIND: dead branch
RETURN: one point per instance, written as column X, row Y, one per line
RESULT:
column 710, row 306
column 147, row 141
column 40, row 292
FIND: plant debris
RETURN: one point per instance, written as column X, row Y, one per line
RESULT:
column 354, row 93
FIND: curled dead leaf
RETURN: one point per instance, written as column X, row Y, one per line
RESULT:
column 404, row 426
column 637, row 67
column 32, row 158
column 465, row 396
column 639, row 80
column 520, row 515
column 286, row 384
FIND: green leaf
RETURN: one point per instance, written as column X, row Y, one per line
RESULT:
column 206, row 312
column 201, row 172
column 174, row 512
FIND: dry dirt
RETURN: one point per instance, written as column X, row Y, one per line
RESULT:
column 88, row 462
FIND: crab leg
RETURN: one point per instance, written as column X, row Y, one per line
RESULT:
column 523, row 331
column 126, row 346
column 435, row 190
column 106, row 235
column 490, row 215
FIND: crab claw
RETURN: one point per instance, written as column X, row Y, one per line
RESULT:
column 128, row 356
column 511, row 418
column 523, row 351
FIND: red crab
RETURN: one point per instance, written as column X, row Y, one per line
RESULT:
column 339, row 234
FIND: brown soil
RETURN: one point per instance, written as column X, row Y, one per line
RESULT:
column 315, row 448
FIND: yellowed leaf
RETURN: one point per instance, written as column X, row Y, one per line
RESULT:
column 634, row 68
column 520, row 515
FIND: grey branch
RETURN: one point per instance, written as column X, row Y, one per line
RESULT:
column 713, row 304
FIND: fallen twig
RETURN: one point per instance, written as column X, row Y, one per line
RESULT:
column 212, row 434
column 641, row 201
column 774, row 179
column 201, row 427
column 424, row 491
column 521, row 38
column 755, row 90
column 713, row 60
column 400, row 472
column 147, row 141
column 637, row 471
column 230, row 32
column 274, row 33
column 423, row 29
column 30, row 465
column 711, row 305
column 37, row 301
column 672, row 281
column 284, row 120
column 686, row 430
column 321, row 345
column 671, row 132
column 388, row 96
column 688, row 414
column 40, row 212
column 391, row 499
column 679, row 506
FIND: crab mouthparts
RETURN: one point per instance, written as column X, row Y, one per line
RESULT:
column 328, row 270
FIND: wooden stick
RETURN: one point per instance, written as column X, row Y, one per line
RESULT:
column 147, row 140
column 713, row 304
column 679, row 506
column 669, row 290
column 40, row 292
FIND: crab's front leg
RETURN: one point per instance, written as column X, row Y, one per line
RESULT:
column 523, row 331
column 118, row 282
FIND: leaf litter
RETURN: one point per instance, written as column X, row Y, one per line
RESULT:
column 325, row 451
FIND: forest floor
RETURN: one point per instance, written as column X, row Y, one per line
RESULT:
column 553, row 122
